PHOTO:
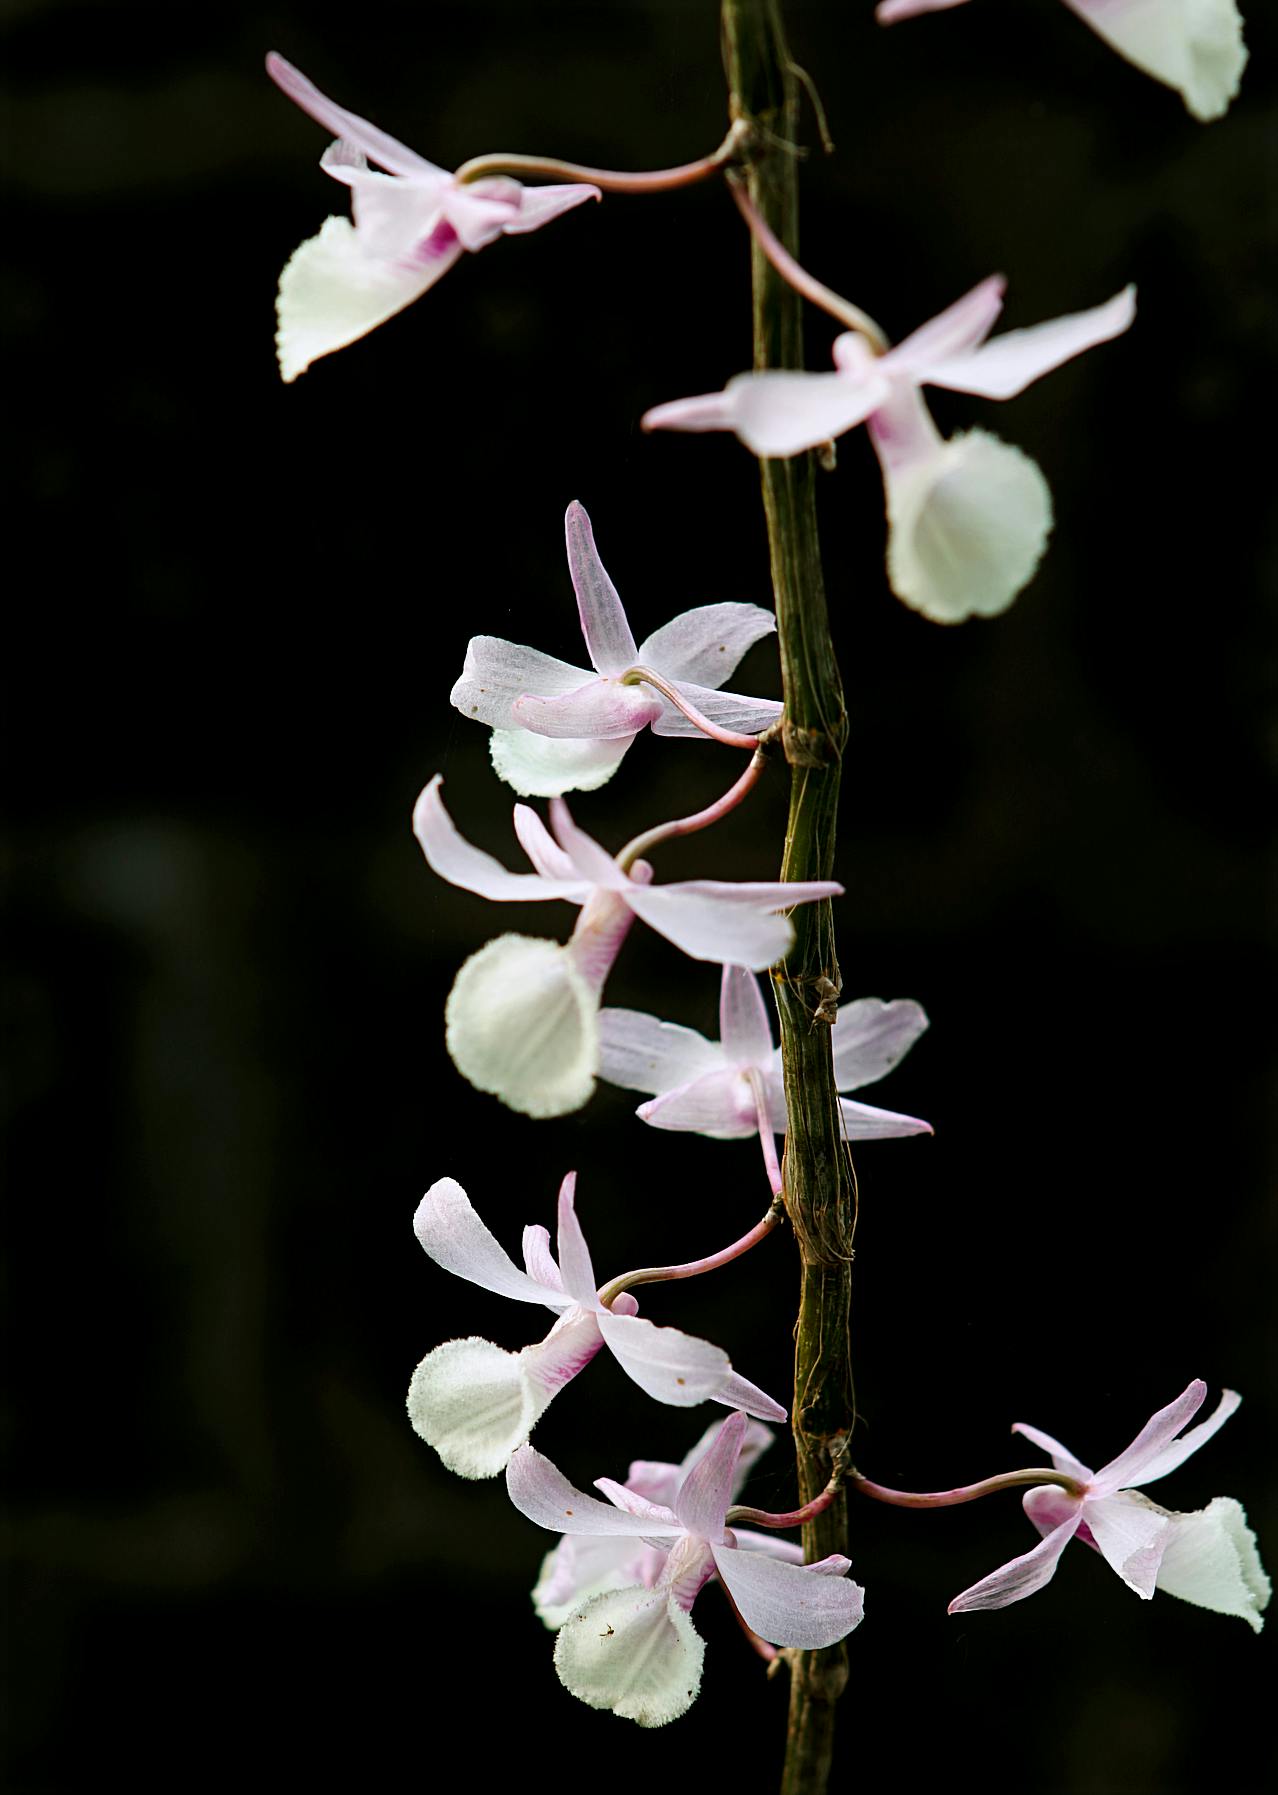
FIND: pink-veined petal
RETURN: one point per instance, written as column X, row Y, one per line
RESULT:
column 1197, row 49
column 730, row 710
column 704, row 926
column 775, row 413
column 703, row 1497
column 633, row 1502
column 541, row 1492
column 394, row 217
column 539, row 1261
column 383, row 149
column 540, row 845
column 520, row 1023
column 671, row 1366
column 479, row 211
column 641, row 1053
column 737, row 1392
column 718, row 1104
column 1006, row 366
column 539, row 205
column 591, row 861
column 602, row 926
column 603, row 710
column 959, row 328
column 863, row 1122
column 771, row 1545
column 584, row 1565
column 332, row 292
column 450, row 1231
column 496, row 672
column 1130, row 1533
column 704, row 645
column 745, row 1024
column 1210, row 1558
column 575, row 1268
column 1174, row 1455
column 887, row 12
column 1061, row 1456
column 453, row 858
column 1049, row 1507
column 1152, row 1440
column 790, row 1604
column 609, row 643
column 1019, row 1577
column 538, row 766
column 634, row 1651
column 869, row 1037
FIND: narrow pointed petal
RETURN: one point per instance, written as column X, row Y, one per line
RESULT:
column 1179, row 1450
column 705, row 644
column 706, row 927
column 332, row 292
column 539, row 844
column 1131, row 1533
column 536, row 766
column 775, row 413
column 590, row 860
column 671, row 1366
column 634, row 1651
column 745, row 1024
column 863, row 1122
column 659, row 1515
column 454, row 859
column 1019, row 1577
column 541, row 1492
column 481, row 210
column 1196, row 48
column 609, row 643
column 574, row 1256
column 452, row 1234
column 381, row 148
column 603, row 709
column 869, row 1037
column 539, row 205
column 730, row 710
column 495, row 673
column 520, row 1023
column 539, row 1261
column 475, row 1404
column 1211, row 1560
column 771, row 1545
column 887, row 12
column 640, row 1053
column 1152, row 1441
column 1006, row 366
column 790, row 1604
column 737, row 1392
column 955, row 331
column 706, row 1491
column 719, row 1104
column 1061, row 1456
column 754, row 1442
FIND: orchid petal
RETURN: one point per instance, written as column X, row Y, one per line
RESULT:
column 520, row 1022
column 745, row 1026
column 609, row 643
column 955, row 331
column 706, row 643
column 706, row 927
column 1188, row 1443
column 1130, row 1532
column 574, row 1255
column 1196, row 48
column 496, row 672
column 704, row 1495
column 540, row 845
column 719, row 1104
column 887, row 12
column 539, row 1261
column 776, row 413
column 671, row 1366
column 539, row 205
column 585, row 1565
column 790, row 1604
column 771, row 1545
column 332, row 292
column 1006, row 366
column 383, row 149
column 453, row 858
column 870, row 1037
column 480, row 211
column 541, row 1492
column 393, row 217
column 1019, row 1577
column 452, row 1235
column 537, row 766
column 640, row 1053
column 603, row 709
column 863, row 1122
column 475, row 1404
column 730, row 710
column 737, row 1392
column 1211, row 1559
column 634, row 1651
column 591, row 861
column 1049, row 1507
column 1152, row 1441
column 1062, row 1458
column 632, row 1502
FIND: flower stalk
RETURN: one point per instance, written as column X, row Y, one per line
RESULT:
column 1032, row 1475
column 700, row 819
column 656, row 180
column 693, row 1268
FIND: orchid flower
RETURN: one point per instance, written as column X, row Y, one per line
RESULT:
column 1208, row 1557
column 475, row 1403
column 968, row 518
column 1195, row 46
column 522, row 1016
column 635, row 1650
column 559, row 728
column 721, row 1088
column 411, row 224
column 582, row 1566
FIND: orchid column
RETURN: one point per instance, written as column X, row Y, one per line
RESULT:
column 818, row 1172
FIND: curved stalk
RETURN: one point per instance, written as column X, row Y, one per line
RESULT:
column 693, row 1268
column 801, row 280
column 700, row 819
column 612, row 180
column 972, row 1492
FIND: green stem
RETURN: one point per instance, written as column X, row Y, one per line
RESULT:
column 820, row 1192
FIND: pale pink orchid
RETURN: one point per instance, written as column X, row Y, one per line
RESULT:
column 635, row 1650
column 1195, row 46
column 968, row 518
column 1208, row 1557
column 559, row 728
column 586, row 1565
column 412, row 222
column 522, row 1016
column 721, row 1088
column 476, row 1403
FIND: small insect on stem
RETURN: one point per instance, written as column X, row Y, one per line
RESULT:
column 827, row 1008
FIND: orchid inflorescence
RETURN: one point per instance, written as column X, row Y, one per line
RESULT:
column 967, row 523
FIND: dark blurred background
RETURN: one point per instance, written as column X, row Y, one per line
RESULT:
column 236, row 617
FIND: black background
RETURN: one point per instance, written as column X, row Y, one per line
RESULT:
column 238, row 612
